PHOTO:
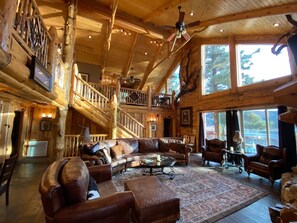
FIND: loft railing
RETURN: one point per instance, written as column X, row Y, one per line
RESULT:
column 133, row 126
column 132, row 96
column 106, row 90
column 30, row 30
column 72, row 143
column 135, row 97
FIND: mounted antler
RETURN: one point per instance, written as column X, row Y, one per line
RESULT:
column 289, row 35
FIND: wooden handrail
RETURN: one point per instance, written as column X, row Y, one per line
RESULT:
column 131, row 124
column 72, row 143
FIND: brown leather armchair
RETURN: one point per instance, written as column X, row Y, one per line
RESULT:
column 214, row 150
column 64, row 190
column 269, row 162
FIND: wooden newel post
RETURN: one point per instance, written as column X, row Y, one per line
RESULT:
column 149, row 98
column 52, row 51
column 172, row 100
column 114, row 112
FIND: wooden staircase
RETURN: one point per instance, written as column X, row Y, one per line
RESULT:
column 98, row 108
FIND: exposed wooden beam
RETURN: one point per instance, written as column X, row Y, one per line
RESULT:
column 149, row 67
column 131, row 56
column 95, row 11
column 107, row 42
column 171, row 69
column 167, row 6
column 269, row 11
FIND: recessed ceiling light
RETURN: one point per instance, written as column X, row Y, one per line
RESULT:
column 145, row 53
column 276, row 24
column 90, row 37
column 191, row 13
column 221, row 30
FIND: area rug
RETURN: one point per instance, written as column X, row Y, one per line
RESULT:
column 205, row 195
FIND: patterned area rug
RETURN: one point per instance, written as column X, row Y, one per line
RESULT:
column 205, row 195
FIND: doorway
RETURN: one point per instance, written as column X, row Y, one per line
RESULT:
column 168, row 127
column 16, row 132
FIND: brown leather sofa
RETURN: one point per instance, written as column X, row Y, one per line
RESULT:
column 127, row 152
column 269, row 162
column 213, row 150
column 64, row 190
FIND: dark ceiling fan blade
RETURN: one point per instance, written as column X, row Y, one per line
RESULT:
column 193, row 24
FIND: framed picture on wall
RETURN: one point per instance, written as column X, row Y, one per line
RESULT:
column 186, row 116
column 45, row 125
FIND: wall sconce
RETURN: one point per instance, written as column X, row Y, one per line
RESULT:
column 152, row 119
column 46, row 115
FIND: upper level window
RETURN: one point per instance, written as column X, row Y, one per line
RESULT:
column 256, row 63
column 216, row 68
column 172, row 83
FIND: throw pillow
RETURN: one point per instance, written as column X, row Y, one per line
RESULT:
column 130, row 145
column 102, row 156
column 117, row 151
column 93, row 192
column 91, row 149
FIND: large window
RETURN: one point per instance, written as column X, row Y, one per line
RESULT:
column 259, row 127
column 216, row 68
column 256, row 63
column 173, row 83
column 215, row 125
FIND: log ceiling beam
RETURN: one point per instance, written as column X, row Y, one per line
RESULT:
column 114, row 7
column 172, row 68
column 131, row 56
column 149, row 67
column 269, row 11
column 167, row 6
column 96, row 11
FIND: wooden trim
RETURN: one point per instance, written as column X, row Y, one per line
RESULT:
column 269, row 11
column 131, row 55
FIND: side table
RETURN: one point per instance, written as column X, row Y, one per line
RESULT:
column 233, row 159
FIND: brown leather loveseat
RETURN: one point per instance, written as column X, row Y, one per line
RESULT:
column 65, row 193
column 127, row 152
column 269, row 162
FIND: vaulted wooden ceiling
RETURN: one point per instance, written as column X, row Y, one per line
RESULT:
column 141, row 28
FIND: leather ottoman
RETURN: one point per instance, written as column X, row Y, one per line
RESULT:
column 154, row 201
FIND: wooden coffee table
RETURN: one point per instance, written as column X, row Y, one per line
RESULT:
column 151, row 165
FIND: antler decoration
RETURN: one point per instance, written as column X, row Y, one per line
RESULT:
column 189, row 81
column 276, row 50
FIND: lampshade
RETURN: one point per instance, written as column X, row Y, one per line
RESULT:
column 85, row 135
column 237, row 137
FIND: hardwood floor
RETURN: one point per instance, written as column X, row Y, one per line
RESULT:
column 25, row 205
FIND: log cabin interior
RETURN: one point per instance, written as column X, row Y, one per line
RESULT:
column 145, row 69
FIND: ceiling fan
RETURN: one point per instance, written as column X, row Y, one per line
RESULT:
column 130, row 81
column 180, row 27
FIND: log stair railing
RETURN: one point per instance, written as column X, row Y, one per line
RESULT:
column 96, row 101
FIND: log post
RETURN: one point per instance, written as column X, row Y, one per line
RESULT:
column 52, row 52
column 149, row 98
column 7, row 15
column 59, row 133
column 114, row 113
column 69, row 40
